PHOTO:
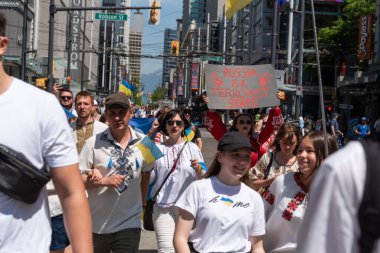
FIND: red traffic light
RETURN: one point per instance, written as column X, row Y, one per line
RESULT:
column 329, row 108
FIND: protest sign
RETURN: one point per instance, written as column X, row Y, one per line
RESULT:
column 241, row 87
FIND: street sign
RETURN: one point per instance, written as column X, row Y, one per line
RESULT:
column 346, row 106
column 111, row 17
column 212, row 58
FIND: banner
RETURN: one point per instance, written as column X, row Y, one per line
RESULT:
column 365, row 34
column 194, row 76
column 180, row 82
column 241, row 87
column 75, row 33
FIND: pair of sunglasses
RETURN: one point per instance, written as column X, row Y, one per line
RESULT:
column 247, row 122
column 179, row 123
column 66, row 97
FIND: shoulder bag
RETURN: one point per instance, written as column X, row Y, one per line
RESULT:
column 19, row 178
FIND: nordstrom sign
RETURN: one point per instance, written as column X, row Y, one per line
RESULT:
column 75, row 33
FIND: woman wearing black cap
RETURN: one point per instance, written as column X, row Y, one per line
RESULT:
column 219, row 213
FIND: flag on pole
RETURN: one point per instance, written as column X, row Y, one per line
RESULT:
column 189, row 134
column 233, row 6
column 126, row 88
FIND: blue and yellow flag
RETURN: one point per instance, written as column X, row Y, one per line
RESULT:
column 233, row 6
column 203, row 166
column 144, row 124
column 149, row 150
column 189, row 134
column 126, row 88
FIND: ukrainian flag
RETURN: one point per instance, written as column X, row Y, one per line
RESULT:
column 233, row 6
column 189, row 134
column 149, row 150
column 126, row 88
column 203, row 166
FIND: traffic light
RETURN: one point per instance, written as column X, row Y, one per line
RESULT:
column 174, row 48
column 42, row 82
column 68, row 79
column 329, row 108
column 281, row 95
column 154, row 14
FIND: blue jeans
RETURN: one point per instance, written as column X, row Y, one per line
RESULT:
column 59, row 239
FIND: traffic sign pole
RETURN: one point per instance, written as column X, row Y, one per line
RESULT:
column 54, row 9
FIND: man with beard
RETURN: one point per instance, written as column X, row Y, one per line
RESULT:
column 85, row 126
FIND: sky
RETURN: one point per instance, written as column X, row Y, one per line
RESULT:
column 153, row 35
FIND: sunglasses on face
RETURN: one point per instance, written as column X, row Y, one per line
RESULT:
column 179, row 123
column 247, row 122
column 66, row 97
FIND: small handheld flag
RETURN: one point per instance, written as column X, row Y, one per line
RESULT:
column 189, row 134
column 149, row 150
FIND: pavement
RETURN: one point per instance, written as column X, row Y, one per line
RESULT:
column 148, row 243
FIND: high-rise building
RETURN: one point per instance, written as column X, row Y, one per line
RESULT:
column 135, row 47
column 110, row 35
column 123, row 41
column 169, row 63
column 73, row 53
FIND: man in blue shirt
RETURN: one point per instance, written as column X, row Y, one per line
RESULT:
column 363, row 130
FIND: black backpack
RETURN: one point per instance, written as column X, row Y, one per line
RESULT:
column 369, row 211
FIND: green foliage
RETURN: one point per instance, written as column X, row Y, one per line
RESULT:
column 341, row 38
column 159, row 93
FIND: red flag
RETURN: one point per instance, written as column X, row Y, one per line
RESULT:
column 275, row 120
column 215, row 125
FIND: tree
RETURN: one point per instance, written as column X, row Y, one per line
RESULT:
column 159, row 93
column 341, row 39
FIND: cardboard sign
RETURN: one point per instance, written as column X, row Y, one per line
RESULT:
column 241, row 87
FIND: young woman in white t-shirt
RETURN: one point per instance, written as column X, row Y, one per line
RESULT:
column 220, row 213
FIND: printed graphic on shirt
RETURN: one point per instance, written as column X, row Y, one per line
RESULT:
column 226, row 201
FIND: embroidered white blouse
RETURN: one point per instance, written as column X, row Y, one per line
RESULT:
column 285, row 204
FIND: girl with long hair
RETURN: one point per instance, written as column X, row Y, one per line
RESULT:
column 279, row 161
column 286, row 199
column 220, row 213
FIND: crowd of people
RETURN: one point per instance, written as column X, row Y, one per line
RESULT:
column 261, row 193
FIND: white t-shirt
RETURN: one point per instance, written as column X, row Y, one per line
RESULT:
column 225, row 216
column 112, row 211
column 182, row 176
column 285, row 204
column 331, row 223
column 54, row 203
column 34, row 124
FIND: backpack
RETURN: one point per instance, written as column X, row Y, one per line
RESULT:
column 369, row 211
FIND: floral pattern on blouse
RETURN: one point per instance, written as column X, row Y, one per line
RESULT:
column 257, row 171
column 268, row 197
column 293, row 205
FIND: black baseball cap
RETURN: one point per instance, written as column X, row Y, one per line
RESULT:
column 118, row 99
column 234, row 140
